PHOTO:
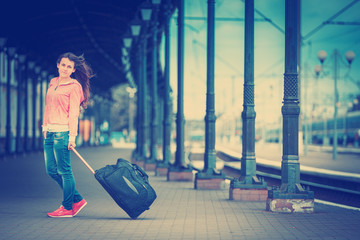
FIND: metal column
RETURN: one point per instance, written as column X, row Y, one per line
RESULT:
column 43, row 76
column 2, row 44
column 290, row 166
column 136, row 152
column 143, row 123
column 336, row 99
column 167, row 101
column 209, row 170
column 248, row 178
column 34, row 99
column 29, row 67
column 154, row 97
column 20, row 107
column 180, row 119
column 9, row 137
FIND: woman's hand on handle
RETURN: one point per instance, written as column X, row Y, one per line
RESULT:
column 71, row 145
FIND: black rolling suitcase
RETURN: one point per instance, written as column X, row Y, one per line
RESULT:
column 127, row 184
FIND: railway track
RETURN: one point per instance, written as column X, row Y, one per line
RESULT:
column 332, row 186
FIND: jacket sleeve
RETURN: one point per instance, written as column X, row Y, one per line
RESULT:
column 76, row 97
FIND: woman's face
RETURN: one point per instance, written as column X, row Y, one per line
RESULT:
column 66, row 67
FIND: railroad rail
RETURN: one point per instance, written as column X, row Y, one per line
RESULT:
column 333, row 186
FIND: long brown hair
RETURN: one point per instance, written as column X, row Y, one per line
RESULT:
column 82, row 74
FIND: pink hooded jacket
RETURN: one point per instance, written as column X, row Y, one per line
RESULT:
column 63, row 105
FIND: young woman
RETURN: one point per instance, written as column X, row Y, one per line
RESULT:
column 66, row 94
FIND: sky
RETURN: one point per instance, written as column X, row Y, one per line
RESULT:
column 269, row 56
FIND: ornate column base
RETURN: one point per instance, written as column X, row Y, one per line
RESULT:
column 248, row 189
column 139, row 163
column 180, row 175
column 207, row 181
column 290, row 205
column 161, row 169
column 282, row 201
column 246, row 194
column 150, row 166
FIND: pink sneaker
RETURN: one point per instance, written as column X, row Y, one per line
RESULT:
column 61, row 212
column 78, row 206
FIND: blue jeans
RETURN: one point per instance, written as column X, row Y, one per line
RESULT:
column 58, row 166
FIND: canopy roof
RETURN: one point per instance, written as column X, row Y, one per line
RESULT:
column 43, row 29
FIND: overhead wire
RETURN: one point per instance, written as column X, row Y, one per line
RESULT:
column 312, row 32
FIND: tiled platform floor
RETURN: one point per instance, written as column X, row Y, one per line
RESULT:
column 179, row 212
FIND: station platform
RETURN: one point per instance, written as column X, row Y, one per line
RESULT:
column 321, row 158
column 179, row 212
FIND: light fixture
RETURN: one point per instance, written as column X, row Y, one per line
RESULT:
column 127, row 42
column 135, row 27
column 146, row 9
column 11, row 51
column 124, row 59
column 2, row 42
column 317, row 69
column 31, row 64
column 156, row 2
column 130, row 90
column 322, row 55
column 124, row 51
column 22, row 58
column 350, row 56
column 129, row 76
column 135, row 30
column 37, row 69
column 130, row 79
column 127, row 66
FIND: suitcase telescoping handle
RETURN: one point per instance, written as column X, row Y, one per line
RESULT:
column 83, row 160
